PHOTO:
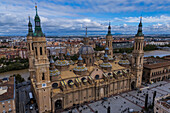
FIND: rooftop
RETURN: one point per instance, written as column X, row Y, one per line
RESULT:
column 157, row 65
column 165, row 101
column 10, row 87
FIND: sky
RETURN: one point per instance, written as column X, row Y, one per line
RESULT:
column 70, row 17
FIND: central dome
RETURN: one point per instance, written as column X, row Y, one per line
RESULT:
column 86, row 49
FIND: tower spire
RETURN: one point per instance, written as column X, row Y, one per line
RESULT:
column 38, row 31
column 36, row 9
column 30, row 32
column 139, row 33
column 86, row 31
column 109, row 29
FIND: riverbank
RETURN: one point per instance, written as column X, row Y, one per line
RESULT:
column 24, row 73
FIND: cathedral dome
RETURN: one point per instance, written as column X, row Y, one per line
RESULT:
column 70, row 62
column 86, row 49
column 124, row 62
column 107, row 64
column 109, row 57
column 61, row 63
column 80, row 68
column 54, row 72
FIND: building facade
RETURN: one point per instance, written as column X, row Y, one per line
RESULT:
column 7, row 95
column 156, row 70
column 162, row 104
column 62, row 84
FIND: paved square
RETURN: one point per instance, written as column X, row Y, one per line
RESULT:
column 130, row 100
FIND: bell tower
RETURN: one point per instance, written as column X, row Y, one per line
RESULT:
column 41, row 64
column 138, row 53
column 109, row 40
column 30, row 49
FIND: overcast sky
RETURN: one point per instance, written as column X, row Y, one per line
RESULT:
column 70, row 17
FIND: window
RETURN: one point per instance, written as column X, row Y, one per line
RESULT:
column 83, row 60
column 45, row 49
column 139, row 47
column 36, row 51
column 43, row 76
column 40, row 50
column 90, row 60
column 97, row 77
column 29, row 46
column 32, row 47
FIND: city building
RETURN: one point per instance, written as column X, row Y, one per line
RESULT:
column 7, row 95
column 162, row 104
column 156, row 70
column 63, row 84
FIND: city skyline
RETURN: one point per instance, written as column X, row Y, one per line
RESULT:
column 71, row 17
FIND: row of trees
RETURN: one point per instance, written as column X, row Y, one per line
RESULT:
column 13, row 64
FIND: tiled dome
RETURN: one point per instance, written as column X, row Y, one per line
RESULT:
column 61, row 63
column 80, row 68
column 70, row 62
column 109, row 57
column 86, row 50
column 124, row 62
column 106, row 64
column 54, row 72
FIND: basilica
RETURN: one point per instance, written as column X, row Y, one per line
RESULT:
column 65, row 83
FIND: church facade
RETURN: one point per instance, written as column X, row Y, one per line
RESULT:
column 63, row 84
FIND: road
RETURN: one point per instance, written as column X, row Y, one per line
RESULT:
column 23, row 105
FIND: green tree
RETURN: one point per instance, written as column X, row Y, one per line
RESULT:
column 18, row 78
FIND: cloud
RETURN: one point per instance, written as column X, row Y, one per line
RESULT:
column 64, row 17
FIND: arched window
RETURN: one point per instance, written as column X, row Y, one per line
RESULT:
column 43, row 76
column 45, row 49
column 40, row 50
column 97, row 77
column 29, row 46
column 32, row 47
column 36, row 51
column 55, row 85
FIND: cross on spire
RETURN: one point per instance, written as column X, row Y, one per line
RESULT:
column 86, row 31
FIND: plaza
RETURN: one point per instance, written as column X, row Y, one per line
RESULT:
column 122, row 103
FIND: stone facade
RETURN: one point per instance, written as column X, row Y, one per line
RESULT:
column 156, row 71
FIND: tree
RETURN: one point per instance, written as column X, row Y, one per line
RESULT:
column 18, row 78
